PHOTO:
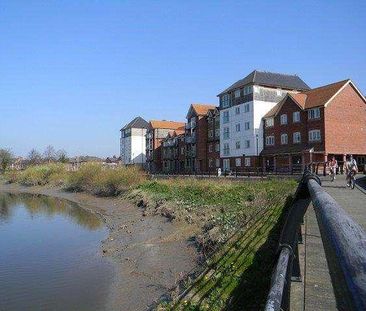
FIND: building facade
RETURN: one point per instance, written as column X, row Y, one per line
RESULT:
column 155, row 135
column 133, row 142
column 242, row 107
column 314, row 125
column 196, row 136
column 173, row 154
column 213, row 139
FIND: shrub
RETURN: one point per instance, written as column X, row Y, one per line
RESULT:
column 40, row 174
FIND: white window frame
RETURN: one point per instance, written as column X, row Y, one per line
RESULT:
column 237, row 162
column 314, row 113
column 283, row 119
column 296, row 137
column 247, row 162
column 269, row 122
column 226, row 133
column 237, row 93
column 296, row 116
column 270, row 140
column 314, row 136
column 225, row 117
column 226, row 149
column 217, row 147
column 284, row 139
column 225, row 100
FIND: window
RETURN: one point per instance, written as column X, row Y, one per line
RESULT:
column 217, row 147
column 314, row 113
column 247, row 126
column 225, row 100
column 226, row 133
column 237, row 110
column 237, row 145
column 210, row 161
column 247, row 161
column 237, row 127
column 296, row 116
column 269, row 122
column 284, row 139
column 314, row 135
column 217, row 162
column 283, row 119
column 270, row 140
column 247, row 144
column 210, row 148
column 210, row 133
column 225, row 117
column 217, row 133
column 226, row 149
column 237, row 162
column 237, row 93
column 296, row 137
column 248, row 90
column 246, row 108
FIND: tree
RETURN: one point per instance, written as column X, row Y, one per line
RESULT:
column 5, row 158
column 62, row 156
column 49, row 154
column 34, row 157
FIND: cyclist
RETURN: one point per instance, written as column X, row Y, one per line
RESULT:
column 351, row 169
column 333, row 165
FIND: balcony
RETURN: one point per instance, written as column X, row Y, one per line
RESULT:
column 190, row 139
column 191, row 153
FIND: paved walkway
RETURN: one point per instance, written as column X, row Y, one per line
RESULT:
column 315, row 292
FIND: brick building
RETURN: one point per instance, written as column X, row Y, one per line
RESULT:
column 213, row 139
column 156, row 133
column 242, row 107
column 173, row 149
column 196, row 135
column 313, row 125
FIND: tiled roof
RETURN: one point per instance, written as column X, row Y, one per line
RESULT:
column 137, row 122
column 163, row 124
column 202, row 109
column 270, row 79
column 317, row 97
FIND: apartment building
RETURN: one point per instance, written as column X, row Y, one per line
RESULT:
column 133, row 142
column 313, row 125
column 156, row 133
column 173, row 150
column 213, row 139
column 196, row 136
column 242, row 107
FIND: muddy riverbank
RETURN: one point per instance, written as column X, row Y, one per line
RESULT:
column 150, row 253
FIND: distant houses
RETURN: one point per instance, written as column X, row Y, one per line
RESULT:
column 266, row 120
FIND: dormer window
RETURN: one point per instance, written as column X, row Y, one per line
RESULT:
column 283, row 119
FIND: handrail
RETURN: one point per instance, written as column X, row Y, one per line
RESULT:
column 345, row 245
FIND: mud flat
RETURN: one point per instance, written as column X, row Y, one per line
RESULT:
column 150, row 253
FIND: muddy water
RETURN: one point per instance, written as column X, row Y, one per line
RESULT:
column 50, row 255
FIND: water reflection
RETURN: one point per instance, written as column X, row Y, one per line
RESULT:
column 47, row 206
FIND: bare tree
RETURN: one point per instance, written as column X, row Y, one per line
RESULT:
column 34, row 157
column 49, row 154
column 5, row 158
column 62, row 156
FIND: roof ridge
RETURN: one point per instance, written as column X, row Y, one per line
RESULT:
column 278, row 73
column 327, row 85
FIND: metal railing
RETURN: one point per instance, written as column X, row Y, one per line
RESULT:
column 344, row 242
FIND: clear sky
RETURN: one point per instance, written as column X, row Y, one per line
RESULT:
column 72, row 73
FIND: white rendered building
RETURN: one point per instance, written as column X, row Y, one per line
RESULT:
column 133, row 142
column 242, row 107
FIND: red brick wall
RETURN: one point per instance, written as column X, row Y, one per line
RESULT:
column 345, row 123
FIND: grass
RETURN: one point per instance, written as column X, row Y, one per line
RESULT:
column 236, row 224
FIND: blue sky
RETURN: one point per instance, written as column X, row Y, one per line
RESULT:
column 73, row 72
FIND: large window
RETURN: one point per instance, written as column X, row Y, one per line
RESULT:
column 225, row 100
column 296, row 116
column 248, row 90
column 314, row 135
column 226, row 149
column 246, row 108
column 237, row 127
column 226, row 133
column 283, row 119
column 314, row 113
column 270, row 140
column 269, row 122
column 284, row 139
column 225, row 117
column 237, row 93
column 247, row 126
column 296, row 137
